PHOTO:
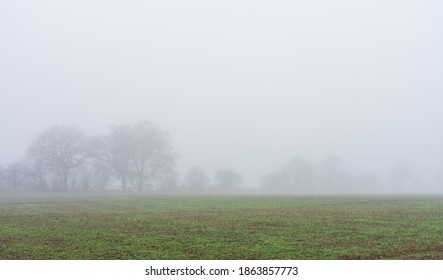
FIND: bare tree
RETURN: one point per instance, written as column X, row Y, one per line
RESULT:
column 301, row 174
column 36, row 173
column 15, row 176
column 152, row 155
column 298, row 175
column 115, row 150
column 167, row 181
column 142, row 150
column 196, row 179
column 101, row 175
column 60, row 148
column 228, row 180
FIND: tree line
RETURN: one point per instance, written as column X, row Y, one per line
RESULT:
column 130, row 157
column 299, row 175
column 64, row 159
column 141, row 157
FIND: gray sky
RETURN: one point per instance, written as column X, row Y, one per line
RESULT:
column 240, row 84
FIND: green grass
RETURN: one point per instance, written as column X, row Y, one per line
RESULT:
column 227, row 227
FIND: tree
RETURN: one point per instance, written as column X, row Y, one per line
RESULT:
column 331, row 175
column 152, row 156
column 101, row 175
column 301, row 174
column 298, row 175
column 142, row 150
column 167, row 181
column 15, row 176
column 60, row 148
column 228, row 179
column 115, row 150
column 196, row 179
column 36, row 173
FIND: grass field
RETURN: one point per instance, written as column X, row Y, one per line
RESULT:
column 226, row 227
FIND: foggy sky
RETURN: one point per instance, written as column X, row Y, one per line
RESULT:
column 238, row 84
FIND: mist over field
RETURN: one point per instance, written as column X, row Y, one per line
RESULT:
column 210, row 97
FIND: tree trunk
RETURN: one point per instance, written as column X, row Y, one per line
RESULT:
column 124, row 182
column 140, row 182
column 65, row 179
